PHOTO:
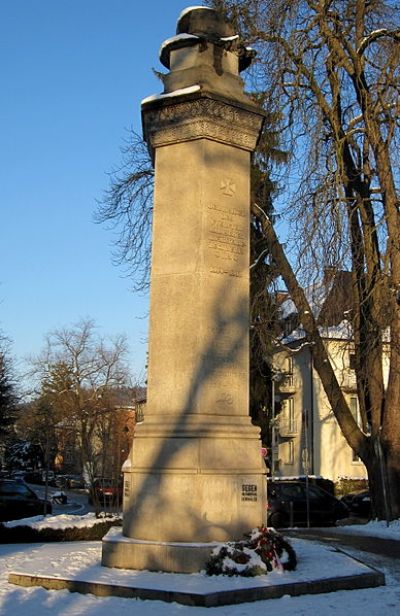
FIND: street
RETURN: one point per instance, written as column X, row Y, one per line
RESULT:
column 77, row 500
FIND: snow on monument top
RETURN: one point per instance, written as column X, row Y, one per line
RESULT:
column 200, row 20
column 199, row 24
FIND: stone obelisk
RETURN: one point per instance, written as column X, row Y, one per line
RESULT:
column 195, row 474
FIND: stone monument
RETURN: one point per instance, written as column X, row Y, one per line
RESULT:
column 195, row 474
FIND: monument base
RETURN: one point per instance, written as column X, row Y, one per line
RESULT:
column 172, row 557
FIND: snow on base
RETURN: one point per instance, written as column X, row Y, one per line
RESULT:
column 19, row 601
column 81, row 561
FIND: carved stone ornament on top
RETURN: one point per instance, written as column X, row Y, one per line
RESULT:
column 203, row 92
column 208, row 26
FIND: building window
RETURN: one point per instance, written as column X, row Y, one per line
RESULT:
column 288, row 369
column 286, row 420
column 289, row 453
column 290, row 324
column 290, row 415
column 352, row 361
column 68, row 455
column 355, row 411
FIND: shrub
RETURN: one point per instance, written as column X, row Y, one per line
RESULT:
column 347, row 485
column 27, row 534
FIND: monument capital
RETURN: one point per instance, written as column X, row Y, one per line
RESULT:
column 197, row 115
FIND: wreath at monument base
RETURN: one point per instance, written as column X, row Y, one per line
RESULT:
column 263, row 550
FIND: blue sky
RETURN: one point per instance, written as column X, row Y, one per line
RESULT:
column 73, row 74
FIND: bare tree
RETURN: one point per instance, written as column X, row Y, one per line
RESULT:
column 127, row 208
column 78, row 372
column 331, row 69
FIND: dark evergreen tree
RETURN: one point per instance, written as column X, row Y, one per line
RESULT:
column 263, row 279
column 8, row 398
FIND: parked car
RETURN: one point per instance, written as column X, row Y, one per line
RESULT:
column 39, row 478
column 34, row 477
column 287, row 505
column 17, row 500
column 106, row 491
column 18, row 475
column 74, row 482
column 359, row 503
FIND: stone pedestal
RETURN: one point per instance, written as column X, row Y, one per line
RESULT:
column 195, row 475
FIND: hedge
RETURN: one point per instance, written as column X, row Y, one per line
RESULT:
column 27, row 534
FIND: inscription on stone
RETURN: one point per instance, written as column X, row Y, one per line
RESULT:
column 249, row 492
column 224, row 340
column 126, row 488
column 217, row 270
column 226, row 238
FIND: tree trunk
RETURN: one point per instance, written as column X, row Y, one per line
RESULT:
column 382, row 463
column 381, row 457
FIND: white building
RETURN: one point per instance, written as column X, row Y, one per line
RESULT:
column 306, row 436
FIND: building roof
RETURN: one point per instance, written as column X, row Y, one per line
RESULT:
column 330, row 301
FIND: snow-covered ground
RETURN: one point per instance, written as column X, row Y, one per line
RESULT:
column 58, row 521
column 18, row 601
column 374, row 528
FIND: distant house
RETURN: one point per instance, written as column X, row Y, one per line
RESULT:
column 306, row 436
column 111, row 437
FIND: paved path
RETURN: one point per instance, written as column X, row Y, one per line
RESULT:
column 365, row 543
column 381, row 554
